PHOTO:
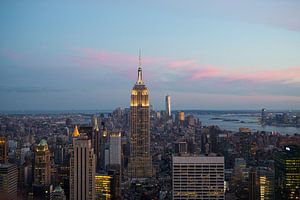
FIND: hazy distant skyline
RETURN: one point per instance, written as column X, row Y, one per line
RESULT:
column 213, row 54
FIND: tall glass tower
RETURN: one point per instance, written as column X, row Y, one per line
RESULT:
column 140, row 161
column 168, row 106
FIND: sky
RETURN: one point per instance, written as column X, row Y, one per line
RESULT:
column 216, row 54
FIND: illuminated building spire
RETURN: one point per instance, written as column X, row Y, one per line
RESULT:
column 140, row 76
column 76, row 132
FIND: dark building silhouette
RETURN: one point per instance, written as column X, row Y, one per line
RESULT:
column 287, row 173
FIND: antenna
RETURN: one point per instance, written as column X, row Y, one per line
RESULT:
column 140, row 60
column 140, row 78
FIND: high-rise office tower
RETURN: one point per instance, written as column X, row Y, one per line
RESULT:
column 168, row 106
column 95, row 122
column 266, row 183
column 42, row 165
column 140, row 161
column 108, row 185
column 180, row 118
column 103, row 154
column 94, row 135
column 113, row 164
column 3, row 150
column 42, row 171
column 102, row 186
column 114, row 171
column 196, row 177
column 82, row 168
column 8, row 181
column 287, row 173
column 114, row 148
column 253, row 184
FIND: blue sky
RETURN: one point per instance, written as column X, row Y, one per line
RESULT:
column 213, row 54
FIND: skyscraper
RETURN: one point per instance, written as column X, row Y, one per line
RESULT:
column 3, row 150
column 82, row 168
column 103, row 154
column 287, row 173
column 42, row 165
column 102, row 187
column 95, row 122
column 8, row 181
column 266, row 183
column 168, row 106
column 196, row 177
column 180, row 118
column 253, row 184
column 94, row 134
column 42, row 171
column 140, row 161
column 115, row 148
column 114, row 171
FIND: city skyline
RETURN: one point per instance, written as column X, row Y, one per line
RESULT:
column 205, row 55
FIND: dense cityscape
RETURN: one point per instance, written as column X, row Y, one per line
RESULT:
column 150, row 100
column 140, row 153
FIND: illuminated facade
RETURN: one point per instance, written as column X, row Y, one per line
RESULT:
column 168, row 105
column 140, row 161
column 196, row 177
column 181, row 116
column 82, row 169
column 266, row 183
column 287, row 173
column 42, row 166
column 3, row 150
column 102, row 187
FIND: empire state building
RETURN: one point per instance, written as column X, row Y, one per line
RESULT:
column 140, row 161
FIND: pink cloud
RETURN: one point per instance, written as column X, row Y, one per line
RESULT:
column 282, row 75
column 210, row 72
column 182, row 64
column 156, row 67
column 193, row 70
column 119, row 63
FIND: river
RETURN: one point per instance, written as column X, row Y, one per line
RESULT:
column 234, row 121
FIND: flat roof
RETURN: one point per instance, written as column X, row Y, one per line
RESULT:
column 198, row 159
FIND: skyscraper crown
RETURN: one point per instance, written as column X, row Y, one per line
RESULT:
column 76, row 132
